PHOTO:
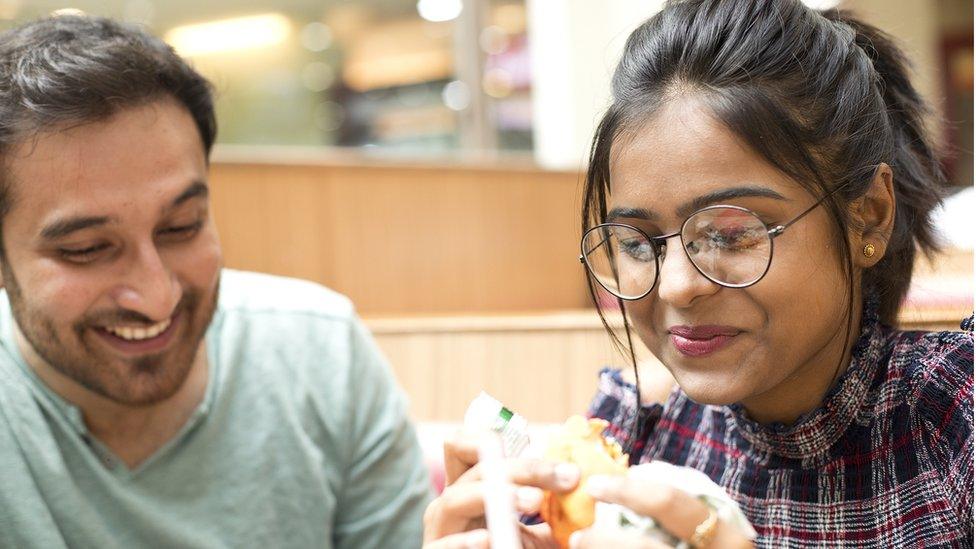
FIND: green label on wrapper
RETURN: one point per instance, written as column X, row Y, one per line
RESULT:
column 505, row 413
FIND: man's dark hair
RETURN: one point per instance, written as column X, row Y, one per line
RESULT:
column 73, row 70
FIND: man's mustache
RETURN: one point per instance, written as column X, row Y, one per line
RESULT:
column 127, row 316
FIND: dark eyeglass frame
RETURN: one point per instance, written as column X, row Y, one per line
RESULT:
column 659, row 245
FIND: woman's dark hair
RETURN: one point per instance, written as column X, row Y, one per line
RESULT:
column 69, row 69
column 821, row 96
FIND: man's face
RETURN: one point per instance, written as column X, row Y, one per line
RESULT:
column 112, row 260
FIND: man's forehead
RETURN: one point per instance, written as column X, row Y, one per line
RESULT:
column 142, row 157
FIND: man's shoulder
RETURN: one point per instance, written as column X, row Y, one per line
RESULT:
column 251, row 292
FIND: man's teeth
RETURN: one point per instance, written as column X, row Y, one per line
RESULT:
column 136, row 334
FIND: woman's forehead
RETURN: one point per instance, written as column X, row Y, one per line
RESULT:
column 683, row 150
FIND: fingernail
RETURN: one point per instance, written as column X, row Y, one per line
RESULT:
column 567, row 475
column 574, row 540
column 598, row 485
column 528, row 498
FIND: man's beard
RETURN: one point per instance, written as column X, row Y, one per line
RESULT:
column 141, row 381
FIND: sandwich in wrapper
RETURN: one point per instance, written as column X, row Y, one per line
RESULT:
column 581, row 442
column 691, row 481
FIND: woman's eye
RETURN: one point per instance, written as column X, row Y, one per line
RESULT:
column 734, row 238
column 82, row 255
column 638, row 249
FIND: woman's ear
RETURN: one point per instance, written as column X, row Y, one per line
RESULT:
column 873, row 217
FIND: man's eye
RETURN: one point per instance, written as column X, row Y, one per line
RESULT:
column 182, row 230
column 82, row 255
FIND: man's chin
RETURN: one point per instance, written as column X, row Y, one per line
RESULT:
column 141, row 384
column 136, row 396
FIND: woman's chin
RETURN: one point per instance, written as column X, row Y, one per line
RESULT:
column 705, row 390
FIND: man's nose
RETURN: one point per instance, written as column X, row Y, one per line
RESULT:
column 149, row 286
column 679, row 281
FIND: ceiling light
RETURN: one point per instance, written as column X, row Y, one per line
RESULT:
column 439, row 10
column 240, row 33
column 67, row 11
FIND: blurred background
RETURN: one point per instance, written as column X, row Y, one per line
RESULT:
column 424, row 158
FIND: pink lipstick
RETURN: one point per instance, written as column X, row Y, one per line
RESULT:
column 698, row 341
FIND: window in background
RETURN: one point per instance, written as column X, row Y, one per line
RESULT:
column 399, row 75
column 956, row 30
column 507, row 77
column 395, row 72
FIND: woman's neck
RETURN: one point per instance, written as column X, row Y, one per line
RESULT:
column 806, row 389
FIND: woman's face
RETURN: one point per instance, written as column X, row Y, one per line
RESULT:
column 774, row 346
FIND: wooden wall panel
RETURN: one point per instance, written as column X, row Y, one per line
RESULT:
column 544, row 366
column 465, row 244
column 408, row 239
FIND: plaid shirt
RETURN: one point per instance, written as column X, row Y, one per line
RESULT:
column 886, row 461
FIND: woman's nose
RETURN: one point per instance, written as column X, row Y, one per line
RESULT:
column 679, row 281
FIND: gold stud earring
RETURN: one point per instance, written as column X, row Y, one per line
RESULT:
column 868, row 250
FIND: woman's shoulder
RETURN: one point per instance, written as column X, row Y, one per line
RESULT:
column 935, row 370
column 934, row 360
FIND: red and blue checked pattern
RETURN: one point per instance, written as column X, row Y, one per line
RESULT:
column 886, row 461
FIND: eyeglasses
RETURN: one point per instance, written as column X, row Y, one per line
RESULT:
column 729, row 245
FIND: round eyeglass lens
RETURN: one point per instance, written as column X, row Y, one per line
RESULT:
column 621, row 259
column 730, row 246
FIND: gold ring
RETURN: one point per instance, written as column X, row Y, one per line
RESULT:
column 705, row 531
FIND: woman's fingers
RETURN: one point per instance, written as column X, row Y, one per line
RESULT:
column 593, row 538
column 528, row 499
column 538, row 536
column 460, row 506
column 461, row 460
column 461, row 453
column 475, row 539
column 548, row 475
column 533, row 537
column 675, row 510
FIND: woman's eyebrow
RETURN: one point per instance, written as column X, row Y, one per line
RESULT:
column 726, row 194
column 698, row 203
column 634, row 213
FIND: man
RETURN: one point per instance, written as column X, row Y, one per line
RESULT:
column 139, row 406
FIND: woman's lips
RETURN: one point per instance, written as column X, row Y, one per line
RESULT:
column 698, row 341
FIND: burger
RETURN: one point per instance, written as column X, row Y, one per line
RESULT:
column 580, row 441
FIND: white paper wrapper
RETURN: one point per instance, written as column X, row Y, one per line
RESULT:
column 692, row 481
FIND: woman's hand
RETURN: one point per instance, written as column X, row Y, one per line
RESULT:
column 533, row 537
column 457, row 517
column 674, row 510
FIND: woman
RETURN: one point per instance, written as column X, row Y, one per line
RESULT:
column 755, row 197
